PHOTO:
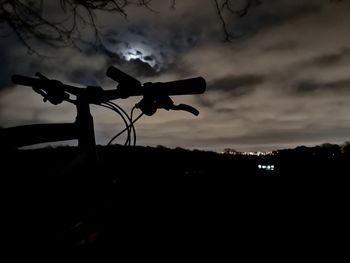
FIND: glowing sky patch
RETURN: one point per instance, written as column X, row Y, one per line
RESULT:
column 141, row 52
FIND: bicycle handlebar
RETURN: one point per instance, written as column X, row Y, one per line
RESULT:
column 25, row 81
column 128, row 86
column 133, row 87
column 155, row 96
column 121, row 77
column 43, row 83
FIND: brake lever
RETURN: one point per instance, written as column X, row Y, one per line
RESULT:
column 185, row 107
column 149, row 105
column 55, row 96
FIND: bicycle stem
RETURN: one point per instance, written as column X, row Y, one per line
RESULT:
column 85, row 126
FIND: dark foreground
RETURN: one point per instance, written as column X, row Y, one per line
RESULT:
column 159, row 199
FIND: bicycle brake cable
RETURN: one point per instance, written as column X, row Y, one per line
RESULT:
column 130, row 125
column 115, row 109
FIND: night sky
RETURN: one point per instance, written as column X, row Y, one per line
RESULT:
column 282, row 81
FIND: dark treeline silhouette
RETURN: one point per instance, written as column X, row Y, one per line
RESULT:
column 161, row 162
column 58, row 201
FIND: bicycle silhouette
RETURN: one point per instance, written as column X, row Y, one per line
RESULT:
column 155, row 96
column 80, row 227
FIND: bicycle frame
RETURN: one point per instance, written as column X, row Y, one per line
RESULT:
column 82, row 130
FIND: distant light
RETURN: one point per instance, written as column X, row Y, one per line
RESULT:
column 257, row 153
column 269, row 167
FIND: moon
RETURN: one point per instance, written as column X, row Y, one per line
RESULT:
column 133, row 54
column 141, row 52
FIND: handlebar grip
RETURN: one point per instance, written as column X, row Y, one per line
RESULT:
column 122, row 78
column 178, row 87
column 26, row 81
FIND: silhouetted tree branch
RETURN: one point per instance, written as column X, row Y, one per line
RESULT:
column 232, row 7
column 228, row 6
column 31, row 20
column 27, row 19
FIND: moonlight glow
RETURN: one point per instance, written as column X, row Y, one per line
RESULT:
column 133, row 54
column 140, row 52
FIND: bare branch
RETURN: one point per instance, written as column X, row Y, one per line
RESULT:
column 25, row 19
column 228, row 7
column 173, row 4
column 223, row 22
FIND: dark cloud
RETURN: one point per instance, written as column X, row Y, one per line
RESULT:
column 272, row 13
column 89, row 76
column 331, row 59
column 307, row 86
column 11, row 61
column 204, row 101
column 281, row 46
column 149, row 58
column 310, row 87
column 229, row 87
column 236, row 86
